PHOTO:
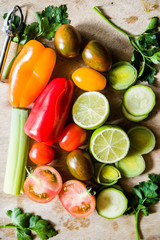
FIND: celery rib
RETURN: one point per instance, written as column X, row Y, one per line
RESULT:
column 17, row 153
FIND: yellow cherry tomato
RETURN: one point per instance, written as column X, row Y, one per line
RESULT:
column 89, row 79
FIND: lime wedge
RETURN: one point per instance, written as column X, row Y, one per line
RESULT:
column 109, row 144
column 90, row 110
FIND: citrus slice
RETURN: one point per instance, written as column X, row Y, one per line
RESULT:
column 90, row 110
column 109, row 144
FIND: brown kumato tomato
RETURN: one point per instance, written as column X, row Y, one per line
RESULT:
column 80, row 165
column 97, row 57
column 67, row 41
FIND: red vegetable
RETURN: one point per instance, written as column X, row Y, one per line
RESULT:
column 50, row 111
column 72, row 137
column 43, row 184
column 76, row 199
column 41, row 153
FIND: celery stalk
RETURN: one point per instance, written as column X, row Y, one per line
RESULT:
column 17, row 153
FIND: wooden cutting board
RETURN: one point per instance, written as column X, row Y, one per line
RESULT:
column 132, row 17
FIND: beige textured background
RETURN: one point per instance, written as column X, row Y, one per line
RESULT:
column 132, row 17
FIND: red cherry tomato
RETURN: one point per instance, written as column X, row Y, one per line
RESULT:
column 72, row 137
column 76, row 199
column 41, row 153
column 43, row 184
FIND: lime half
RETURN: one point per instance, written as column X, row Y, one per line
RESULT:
column 90, row 110
column 109, row 144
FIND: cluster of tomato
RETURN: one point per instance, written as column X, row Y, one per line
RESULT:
column 45, row 182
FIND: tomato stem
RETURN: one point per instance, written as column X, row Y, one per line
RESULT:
column 33, row 177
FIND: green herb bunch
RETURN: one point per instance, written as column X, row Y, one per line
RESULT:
column 26, row 222
column 146, row 46
column 142, row 197
column 47, row 23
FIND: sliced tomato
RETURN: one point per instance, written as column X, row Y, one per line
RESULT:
column 72, row 137
column 43, row 185
column 41, row 153
column 76, row 199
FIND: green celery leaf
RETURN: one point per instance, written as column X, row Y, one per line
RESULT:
column 30, row 32
column 50, row 33
column 155, row 178
column 48, row 12
column 60, row 13
column 44, row 24
column 42, row 227
column 151, row 40
column 148, row 74
column 155, row 58
column 19, row 218
column 149, row 189
column 137, row 191
column 153, row 25
column 24, row 234
column 136, row 60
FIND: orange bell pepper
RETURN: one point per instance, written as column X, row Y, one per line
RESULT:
column 30, row 73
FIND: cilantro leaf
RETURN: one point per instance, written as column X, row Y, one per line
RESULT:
column 26, row 222
column 46, row 26
column 23, row 234
column 142, row 196
column 148, row 73
column 42, row 227
column 153, row 25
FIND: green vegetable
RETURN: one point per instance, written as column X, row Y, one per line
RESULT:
column 47, row 23
column 139, row 100
column 142, row 197
column 122, row 75
column 106, row 174
column 146, row 46
column 111, row 203
column 26, row 222
column 142, row 139
column 132, row 165
column 17, row 153
column 132, row 118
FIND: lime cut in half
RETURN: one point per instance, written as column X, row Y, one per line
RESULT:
column 109, row 144
column 90, row 110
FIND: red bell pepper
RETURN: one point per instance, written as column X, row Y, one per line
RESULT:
column 50, row 111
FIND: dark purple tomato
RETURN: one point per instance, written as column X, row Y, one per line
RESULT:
column 67, row 41
column 80, row 165
column 97, row 57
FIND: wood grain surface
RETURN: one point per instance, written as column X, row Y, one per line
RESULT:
column 132, row 17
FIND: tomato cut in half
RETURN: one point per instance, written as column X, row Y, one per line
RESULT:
column 76, row 199
column 43, row 185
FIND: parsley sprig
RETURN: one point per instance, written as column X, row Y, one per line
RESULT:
column 142, row 197
column 47, row 23
column 146, row 46
column 26, row 222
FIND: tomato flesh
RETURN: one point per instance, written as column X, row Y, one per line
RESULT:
column 43, row 185
column 41, row 153
column 72, row 137
column 76, row 199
